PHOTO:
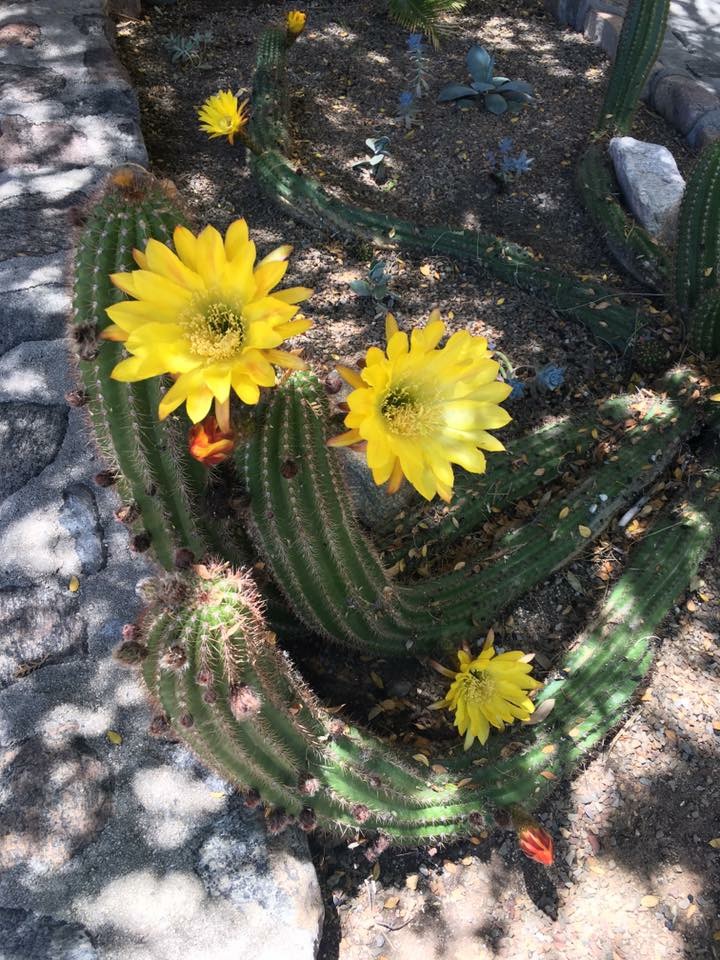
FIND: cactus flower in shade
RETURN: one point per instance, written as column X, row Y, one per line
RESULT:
column 421, row 408
column 207, row 315
column 222, row 115
column 488, row 691
column 535, row 842
column 208, row 443
column 295, row 22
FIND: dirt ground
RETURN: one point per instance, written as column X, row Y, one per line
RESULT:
column 635, row 876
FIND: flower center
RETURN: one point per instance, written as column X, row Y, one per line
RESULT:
column 404, row 414
column 215, row 330
column 479, row 686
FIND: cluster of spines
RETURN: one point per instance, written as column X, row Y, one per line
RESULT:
column 224, row 686
column 697, row 254
column 160, row 483
column 640, row 40
column 302, row 521
column 307, row 200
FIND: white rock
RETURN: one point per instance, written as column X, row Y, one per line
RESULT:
column 651, row 184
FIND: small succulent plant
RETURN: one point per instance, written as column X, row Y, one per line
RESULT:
column 188, row 50
column 407, row 108
column 376, row 286
column 550, row 377
column 418, row 78
column 504, row 167
column 378, row 153
column 499, row 94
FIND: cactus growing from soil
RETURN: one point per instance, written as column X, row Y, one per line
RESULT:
column 641, row 37
column 697, row 257
column 225, row 687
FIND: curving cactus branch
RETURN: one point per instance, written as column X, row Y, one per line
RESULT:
column 306, row 200
column 301, row 519
column 224, row 686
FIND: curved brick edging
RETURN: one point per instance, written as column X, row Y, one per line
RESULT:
column 684, row 86
column 119, row 848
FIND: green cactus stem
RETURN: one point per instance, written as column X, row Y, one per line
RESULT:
column 641, row 37
column 697, row 255
column 704, row 325
column 631, row 246
column 161, row 484
column 305, row 199
column 225, row 687
column 301, row 519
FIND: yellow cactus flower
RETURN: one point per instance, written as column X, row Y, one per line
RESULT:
column 206, row 315
column 295, row 22
column 223, row 116
column 490, row 690
column 422, row 408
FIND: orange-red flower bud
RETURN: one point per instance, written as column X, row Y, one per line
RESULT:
column 208, row 444
column 536, row 843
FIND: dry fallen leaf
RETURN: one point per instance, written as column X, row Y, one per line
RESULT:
column 377, row 680
column 563, row 513
column 391, row 903
column 584, row 531
column 649, row 901
column 114, row 737
column 376, row 871
column 715, row 843
column 421, row 758
column 411, row 881
column 548, row 774
column 74, row 584
column 426, row 270
column 540, row 713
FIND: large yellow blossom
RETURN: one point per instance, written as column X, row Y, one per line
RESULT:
column 490, row 690
column 206, row 315
column 421, row 408
column 223, row 116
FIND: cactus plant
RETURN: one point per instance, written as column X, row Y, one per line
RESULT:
column 301, row 519
column 697, row 256
column 307, row 200
column 226, row 688
column 641, row 37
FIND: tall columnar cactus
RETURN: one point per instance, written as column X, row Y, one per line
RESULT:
column 641, row 37
column 697, row 255
column 160, row 483
column 302, row 522
column 307, row 200
column 225, row 687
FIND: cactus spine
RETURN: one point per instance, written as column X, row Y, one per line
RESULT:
column 227, row 690
column 156, row 476
column 641, row 37
column 306, row 200
column 697, row 257
column 302, row 522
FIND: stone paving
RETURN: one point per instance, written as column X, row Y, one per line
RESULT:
column 684, row 86
column 113, row 846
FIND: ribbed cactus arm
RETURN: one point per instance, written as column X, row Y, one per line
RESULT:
column 302, row 521
column 641, row 37
column 227, row 689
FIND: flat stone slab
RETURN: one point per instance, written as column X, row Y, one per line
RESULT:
column 113, row 845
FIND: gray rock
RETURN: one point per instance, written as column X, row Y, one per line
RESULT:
column 651, row 184
column 29, row 936
column 39, row 625
column 36, row 371
column 603, row 29
column 681, row 100
column 242, row 865
column 80, row 518
column 53, row 231
column 30, row 436
column 705, row 131
column 22, row 273
column 39, row 313
column 54, row 800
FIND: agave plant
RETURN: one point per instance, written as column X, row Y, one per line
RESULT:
column 499, row 94
column 378, row 152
